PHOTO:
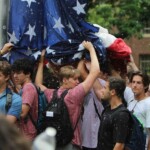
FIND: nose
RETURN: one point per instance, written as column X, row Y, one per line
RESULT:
column 15, row 75
column 134, row 85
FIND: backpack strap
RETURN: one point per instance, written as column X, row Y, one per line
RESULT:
column 99, row 116
column 8, row 99
column 64, row 94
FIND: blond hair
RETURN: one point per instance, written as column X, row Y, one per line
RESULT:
column 68, row 72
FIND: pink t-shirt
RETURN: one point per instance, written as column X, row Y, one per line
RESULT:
column 29, row 97
column 73, row 100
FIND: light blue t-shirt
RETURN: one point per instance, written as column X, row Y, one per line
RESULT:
column 16, row 106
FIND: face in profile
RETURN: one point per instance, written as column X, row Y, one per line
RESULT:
column 71, row 82
column 105, row 92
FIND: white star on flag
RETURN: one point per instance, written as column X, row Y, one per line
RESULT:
column 70, row 26
column 81, row 47
column 58, row 25
column 36, row 55
column 7, row 56
column 50, row 51
column 13, row 38
column 79, row 8
column 31, row 32
column 59, row 61
column 29, row 1
column 28, row 52
column 77, row 55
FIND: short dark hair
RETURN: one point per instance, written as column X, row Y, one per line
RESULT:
column 25, row 65
column 5, row 68
column 145, row 79
column 117, row 84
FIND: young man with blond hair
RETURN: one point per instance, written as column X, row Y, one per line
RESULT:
column 76, row 92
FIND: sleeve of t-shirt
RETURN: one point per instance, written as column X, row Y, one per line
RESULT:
column 48, row 93
column 147, row 124
column 128, row 95
column 76, row 95
column 16, row 106
column 121, row 127
column 28, row 95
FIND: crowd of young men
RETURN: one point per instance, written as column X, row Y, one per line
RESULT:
column 100, row 127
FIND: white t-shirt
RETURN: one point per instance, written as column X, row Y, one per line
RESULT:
column 141, row 110
column 128, row 95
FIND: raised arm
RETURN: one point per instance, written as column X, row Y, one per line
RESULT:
column 39, row 74
column 95, row 69
column 84, row 73
column 132, row 64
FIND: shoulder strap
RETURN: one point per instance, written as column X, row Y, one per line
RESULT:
column 99, row 116
column 64, row 94
column 8, row 99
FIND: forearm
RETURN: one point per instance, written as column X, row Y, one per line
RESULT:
column 119, row 146
column 133, row 66
column 97, row 89
column 95, row 68
column 39, row 74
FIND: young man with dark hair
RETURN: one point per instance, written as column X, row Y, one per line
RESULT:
column 76, row 92
column 12, row 111
column 140, row 106
column 22, row 71
column 115, row 122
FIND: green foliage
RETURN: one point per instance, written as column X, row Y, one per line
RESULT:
column 123, row 18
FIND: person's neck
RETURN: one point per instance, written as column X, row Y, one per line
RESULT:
column 2, row 89
column 26, row 81
column 64, row 86
column 140, row 97
column 115, row 102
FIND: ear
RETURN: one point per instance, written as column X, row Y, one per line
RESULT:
column 113, row 92
column 7, row 78
column 28, row 75
column 65, row 80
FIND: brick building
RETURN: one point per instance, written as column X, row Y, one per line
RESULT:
column 141, row 51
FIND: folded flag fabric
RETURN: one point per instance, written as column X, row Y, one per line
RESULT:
column 116, row 47
column 119, row 49
column 57, row 25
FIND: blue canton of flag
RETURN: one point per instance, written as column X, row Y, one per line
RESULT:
column 26, row 27
column 56, row 24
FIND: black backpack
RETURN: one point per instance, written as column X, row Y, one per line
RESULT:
column 136, row 139
column 56, row 115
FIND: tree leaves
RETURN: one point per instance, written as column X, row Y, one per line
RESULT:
column 123, row 18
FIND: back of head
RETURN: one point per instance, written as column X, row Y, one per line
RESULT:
column 5, row 68
column 10, row 138
column 119, row 85
column 25, row 65
column 145, row 79
column 68, row 72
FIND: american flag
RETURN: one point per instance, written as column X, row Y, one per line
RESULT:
column 57, row 25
